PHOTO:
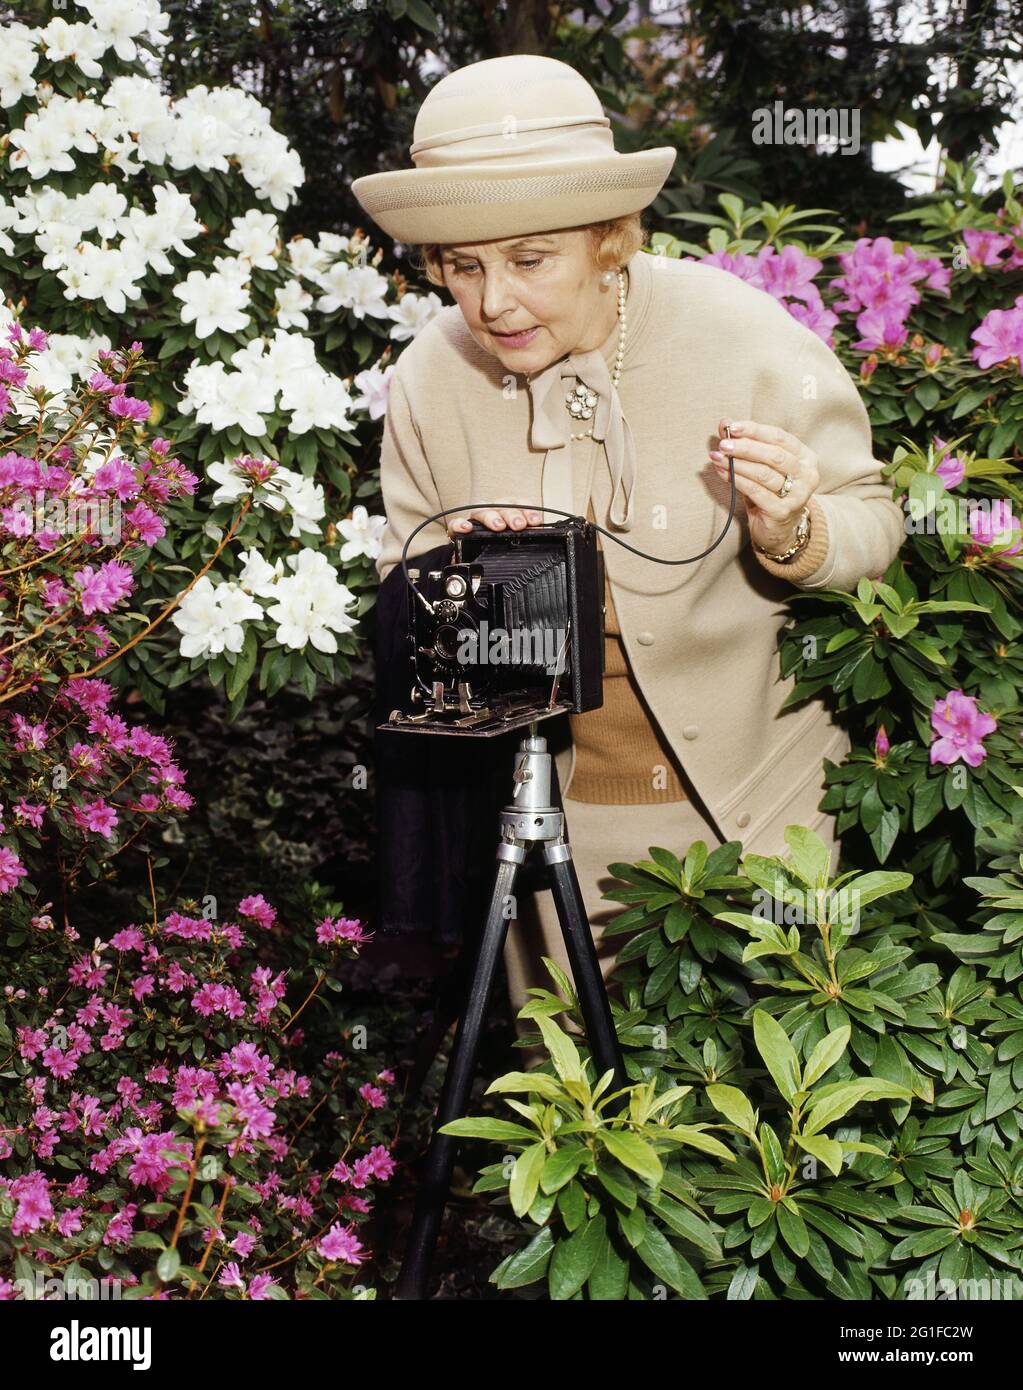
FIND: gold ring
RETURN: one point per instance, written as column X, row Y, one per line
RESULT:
column 786, row 486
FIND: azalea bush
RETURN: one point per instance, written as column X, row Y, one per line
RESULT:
column 159, row 1130
column 125, row 215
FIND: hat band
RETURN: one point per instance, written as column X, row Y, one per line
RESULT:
column 551, row 137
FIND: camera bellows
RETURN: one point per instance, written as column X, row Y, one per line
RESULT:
column 534, row 594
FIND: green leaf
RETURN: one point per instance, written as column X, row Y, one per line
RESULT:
column 574, row 1259
column 734, row 1106
column 633, row 1153
column 526, row 1265
column 610, row 1277
column 793, row 1230
column 831, row 1104
column 484, row 1127
column 564, row 1053
column 664, row 1261
column 539, row 1082
column 809, row 854
column 167, row 1265
column 825, row 1055
column 827, row 1151
column 561, row 1166
column 778, row 1053
column 525, row 1178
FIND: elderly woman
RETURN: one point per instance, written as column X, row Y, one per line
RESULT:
column 527, row 215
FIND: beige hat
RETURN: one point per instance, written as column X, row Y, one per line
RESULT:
column 510, row 146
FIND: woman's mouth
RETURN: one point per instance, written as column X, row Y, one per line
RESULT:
column 518, row 340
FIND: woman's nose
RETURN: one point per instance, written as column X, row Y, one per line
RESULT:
column 498, row 299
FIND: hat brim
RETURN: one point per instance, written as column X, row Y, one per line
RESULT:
column 473, row 203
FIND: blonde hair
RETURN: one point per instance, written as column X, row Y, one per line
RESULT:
column 613, row 243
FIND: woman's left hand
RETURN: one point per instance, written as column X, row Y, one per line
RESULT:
column 763, row 455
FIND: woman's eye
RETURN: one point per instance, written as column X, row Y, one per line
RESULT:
column 522, row 265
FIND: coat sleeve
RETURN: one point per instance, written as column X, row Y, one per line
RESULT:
column 406, row 482
column 856, row 526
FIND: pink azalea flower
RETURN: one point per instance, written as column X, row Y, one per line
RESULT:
column 960, row 727
column 341, row 1243
column 951, row 470
column 999, row 338
column 231, row 1276
column 994, row 527
column 984, row 248
column 881, row 329
column 881, row 744
column 11, row 869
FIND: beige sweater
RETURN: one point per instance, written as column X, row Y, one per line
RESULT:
column 700, row 639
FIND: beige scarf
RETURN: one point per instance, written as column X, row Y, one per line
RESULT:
column 552, row 425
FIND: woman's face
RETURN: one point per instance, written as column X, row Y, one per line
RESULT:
column 545, row 283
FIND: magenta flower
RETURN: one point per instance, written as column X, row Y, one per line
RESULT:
column 881, row 744
column 101, row 589
column 984, row 248
column 745, row 267
column 882, row 329
column 231, row 1276
column 128, row 408
column 11, row 869
column 341, row 1243
column 999, row 338
column 960, row 727
column 790, row 272
column 994, row 528
column 951, row 470
column 96, row 816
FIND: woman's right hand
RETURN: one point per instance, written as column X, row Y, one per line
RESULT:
column 496, row 519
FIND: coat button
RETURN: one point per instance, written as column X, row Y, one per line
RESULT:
column 645, row 639
column 691, row 731
column 743, row 818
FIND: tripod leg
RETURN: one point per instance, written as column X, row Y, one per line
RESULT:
column 582, row 955
column 436, row 1178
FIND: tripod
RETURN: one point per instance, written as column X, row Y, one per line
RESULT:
column 529, row 820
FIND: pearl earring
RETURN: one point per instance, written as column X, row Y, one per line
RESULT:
column 607, row 277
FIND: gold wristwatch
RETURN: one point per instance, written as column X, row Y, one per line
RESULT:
column 800, row 544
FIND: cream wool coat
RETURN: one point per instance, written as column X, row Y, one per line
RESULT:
column 701, row 639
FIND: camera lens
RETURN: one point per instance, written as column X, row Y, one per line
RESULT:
column 446, row 643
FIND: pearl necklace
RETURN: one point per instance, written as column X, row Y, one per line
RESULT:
column 582, row 400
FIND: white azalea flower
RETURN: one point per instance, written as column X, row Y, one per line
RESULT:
column 304, row 498
column 359, row 288
column 232, row 484
column 316, row 398
column 331, row 244
column 412, row 313
column 80, row 44
column 291, row 303
column 255, row 237
column 213, row 303
column 311, row 604
column 258, row 576
column 18, row 58
column 374, row 388
column 307, row 259
column 362, row 534
column 210, row 618
column 121, row 22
